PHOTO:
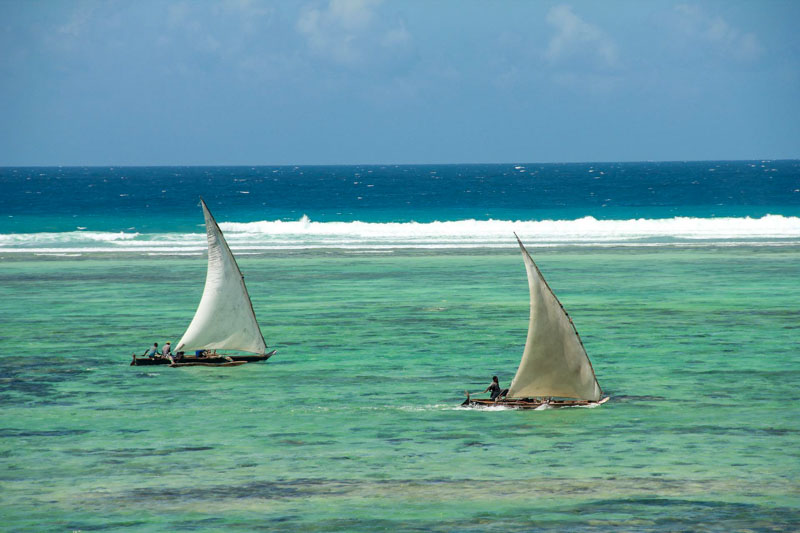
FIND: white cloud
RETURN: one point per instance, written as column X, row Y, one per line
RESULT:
column 345, row 30
column 396, row 37
column 716, row 32
column 249, row 7
column 576, row 37
column 83, row 23
column 253, row 15
column 333, row 31
column 352, row 15
column 79, row 21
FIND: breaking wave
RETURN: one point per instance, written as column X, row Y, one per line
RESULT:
column 305, row 234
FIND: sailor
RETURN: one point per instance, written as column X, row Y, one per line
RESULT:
column 167, row 352
column 152, row 352
column 495, row 389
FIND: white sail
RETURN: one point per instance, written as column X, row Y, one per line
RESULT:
column 224, row 320
column 554, row 362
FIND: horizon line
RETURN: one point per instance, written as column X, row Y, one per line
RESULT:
column 237, row 165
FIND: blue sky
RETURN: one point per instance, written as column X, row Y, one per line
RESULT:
column 160, row 82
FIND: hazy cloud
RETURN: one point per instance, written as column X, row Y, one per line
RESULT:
column 576, row 37
column 345, row 30
column 396, row 37
column 716, row 32
column 79, row 21
column 245, row 81
column 334, row 31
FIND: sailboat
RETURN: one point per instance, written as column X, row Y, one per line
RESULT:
column 225, row 319
column 555, row 370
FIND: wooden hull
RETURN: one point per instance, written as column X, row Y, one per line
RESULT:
column 253, row 358
column 226, row 363
column 530, row 403
column 202, row 361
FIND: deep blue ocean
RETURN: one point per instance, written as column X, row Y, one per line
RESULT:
column 164, row 199
column 94, row 209
column 387, row 291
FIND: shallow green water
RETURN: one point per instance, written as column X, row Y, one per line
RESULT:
column 354, row 424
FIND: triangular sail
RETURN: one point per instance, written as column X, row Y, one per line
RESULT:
column 225, row 319
column 554, row 362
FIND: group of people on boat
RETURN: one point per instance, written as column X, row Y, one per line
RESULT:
column 152, row 352
column 166, row 353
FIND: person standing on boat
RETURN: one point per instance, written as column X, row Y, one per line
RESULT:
column 167, row 351
column 495, row 389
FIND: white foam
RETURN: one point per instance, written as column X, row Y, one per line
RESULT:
column 581, row 230
column 769, row 230
column 58, row 254
column 169, row 253
column 65, row 237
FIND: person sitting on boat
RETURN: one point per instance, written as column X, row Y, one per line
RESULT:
column 152, row 352
column 495, row 389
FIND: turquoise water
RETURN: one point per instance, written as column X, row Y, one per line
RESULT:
column 354, row 425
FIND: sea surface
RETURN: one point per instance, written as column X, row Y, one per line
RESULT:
column 388, row 291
